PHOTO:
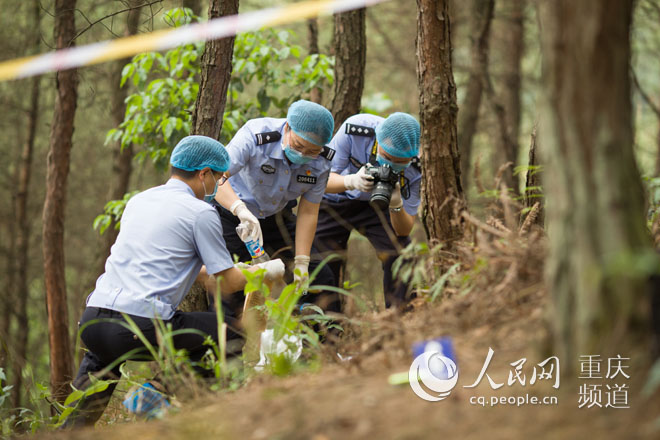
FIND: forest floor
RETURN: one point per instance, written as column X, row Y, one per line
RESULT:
column 353, row 399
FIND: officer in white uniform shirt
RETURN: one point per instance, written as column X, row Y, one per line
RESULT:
column 368, row 139
column 273, row 162
column 167, row 234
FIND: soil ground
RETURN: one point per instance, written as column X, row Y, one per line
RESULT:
column 352, row 399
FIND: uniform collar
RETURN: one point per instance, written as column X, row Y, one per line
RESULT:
column 180, row 184
column 275, row 151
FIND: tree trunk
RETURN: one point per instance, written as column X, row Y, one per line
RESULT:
column 595, row 198
column 657, row 149
column 513, row 46
column 216, row 72
column 468, row 116
column 61, row 364
column 316, row 94
column 657, row 145
column 8, row 298
column 210, row 108
column 350, row 60
column 23, row 224
column 122, row 160
column 438, row 108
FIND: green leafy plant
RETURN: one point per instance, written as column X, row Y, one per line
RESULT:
column 113, row 210
column 285, row 318
column 269, row 72
column 416, row 266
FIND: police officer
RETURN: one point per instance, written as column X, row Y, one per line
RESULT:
column 167, row 234
column 366, row 140
column 273, row 162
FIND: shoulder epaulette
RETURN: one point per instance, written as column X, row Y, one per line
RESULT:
column 360, row 130
column 267, row 137
column 328, row 153
column 416, row 162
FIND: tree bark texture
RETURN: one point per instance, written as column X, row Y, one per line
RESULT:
column 7, row 300
column 316, row 94
column 210, row 108
column 595, row 200
column 438, row 109
column 23, row 223
column 61, row 364
column 122, row 159
column 350, row 46
column 468, row 116
column 512, row 40
column 657, row 146
column 215, row 76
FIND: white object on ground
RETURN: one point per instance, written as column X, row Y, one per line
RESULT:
column 283, row 346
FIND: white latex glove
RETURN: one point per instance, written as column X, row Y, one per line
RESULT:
column 360, row 181
column 274, row 269
column 250, row 222
column 396, row 201
column 301, row 269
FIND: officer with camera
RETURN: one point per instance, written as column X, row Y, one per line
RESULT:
column 273, row 162
column 374, row 188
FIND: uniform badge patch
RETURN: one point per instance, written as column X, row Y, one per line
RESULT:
column 306, row 179
column 267, row 137
column 268, row 169
column 416, row 163
column 360, row 130
column 327, row 153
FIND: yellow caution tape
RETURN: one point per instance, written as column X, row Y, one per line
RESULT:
column 166, row 39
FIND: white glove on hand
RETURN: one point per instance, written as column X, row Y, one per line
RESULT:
column 274, row 269
column 250, row 222
column 301, row 269
column 360, row 181
column 396, row 202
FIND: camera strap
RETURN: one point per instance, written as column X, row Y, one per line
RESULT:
column 405, row 187
column 374, row 152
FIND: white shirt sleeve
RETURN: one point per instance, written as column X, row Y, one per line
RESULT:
column 210, row 245
column 240, row 149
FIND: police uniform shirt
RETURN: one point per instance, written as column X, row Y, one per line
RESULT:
column 356, row 138
column 166, row 235
column 261, row 175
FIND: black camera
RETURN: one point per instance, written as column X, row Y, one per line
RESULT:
column 385, row 179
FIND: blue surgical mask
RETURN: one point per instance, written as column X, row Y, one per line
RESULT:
column 208, row 198
column 295, row 156
column 396, row 167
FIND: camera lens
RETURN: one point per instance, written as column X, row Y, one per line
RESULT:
column 380, row 197
column 379, row 201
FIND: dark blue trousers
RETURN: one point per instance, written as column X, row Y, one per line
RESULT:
column 279, row 241
column 338, row 219
column 108, row 341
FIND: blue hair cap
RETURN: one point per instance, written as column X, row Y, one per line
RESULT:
column 198, row 152
column 399, row 135
column 311, row 121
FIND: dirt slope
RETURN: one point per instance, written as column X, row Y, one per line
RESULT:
column 354, row 400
